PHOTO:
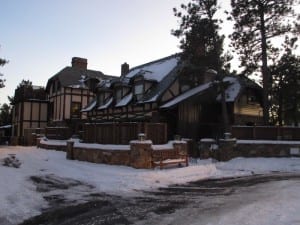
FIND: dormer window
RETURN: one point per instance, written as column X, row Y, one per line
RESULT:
column 101, row 99
column 139, row 91
column 119, row 94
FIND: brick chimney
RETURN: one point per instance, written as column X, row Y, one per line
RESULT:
column 124, row 69
column 80, row 63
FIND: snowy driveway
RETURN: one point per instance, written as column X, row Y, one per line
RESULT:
column 259, row 199
column 46, row 180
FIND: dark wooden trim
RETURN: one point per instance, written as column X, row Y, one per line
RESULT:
column 81, row 100
column 60, row 106
column 171, row 92
column 55, row 105
column 21, row 119
column 40, row 113
column 64, row 112
column 33, row 121
column 31, row 109
column 71, row 100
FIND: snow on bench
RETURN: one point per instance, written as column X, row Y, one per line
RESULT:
column 165, row 157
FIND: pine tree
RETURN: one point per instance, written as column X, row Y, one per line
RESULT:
column 23, row 90
column 2, row 63
column 257, row 22
column 201, row 44
column 286, row 86
column 5, row 114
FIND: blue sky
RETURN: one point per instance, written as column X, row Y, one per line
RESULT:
column 39, row 38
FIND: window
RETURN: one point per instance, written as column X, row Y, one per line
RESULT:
column 100, row 99
column 119, row 95
column 51, row 110
column 53, row 87
column 139, row 91
column 75, row 109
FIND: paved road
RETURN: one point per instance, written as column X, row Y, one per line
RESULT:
column 177, row 204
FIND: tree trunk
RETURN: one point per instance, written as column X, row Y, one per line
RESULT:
column 265, row 70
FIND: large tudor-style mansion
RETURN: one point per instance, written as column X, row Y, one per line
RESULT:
column 161, row 91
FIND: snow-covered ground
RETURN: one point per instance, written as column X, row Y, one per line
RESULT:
column 19, row 198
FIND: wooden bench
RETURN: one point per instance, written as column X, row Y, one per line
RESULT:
column 165, row 157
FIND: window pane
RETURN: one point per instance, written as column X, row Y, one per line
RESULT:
column 75, row 109
column 138, row 89
column 119, row 95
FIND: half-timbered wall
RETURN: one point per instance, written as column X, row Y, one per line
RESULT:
column 63, row 100
column 172, row 91
column 29, row 114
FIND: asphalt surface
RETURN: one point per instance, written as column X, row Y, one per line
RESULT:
column 102, row 209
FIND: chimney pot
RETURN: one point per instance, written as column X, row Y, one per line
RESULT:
column 124, row 69
column 80, row 63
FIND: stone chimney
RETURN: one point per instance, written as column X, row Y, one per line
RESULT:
column 124, row 69
column 80, row 63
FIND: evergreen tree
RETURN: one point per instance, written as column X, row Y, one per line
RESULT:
column 5, row 115
column 257, row 22
column 285, row 89
column 22, row 91
column 201, row 44
column 2, row 63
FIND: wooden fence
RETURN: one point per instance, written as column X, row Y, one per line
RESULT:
column 266, row 132
column 123, row 133
column 58, row 133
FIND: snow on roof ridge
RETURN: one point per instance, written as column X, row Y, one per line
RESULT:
column 186, row 95
column 154, row 61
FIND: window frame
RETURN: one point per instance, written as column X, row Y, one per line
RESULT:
column 75, row 114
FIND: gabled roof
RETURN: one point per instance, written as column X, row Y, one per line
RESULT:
column 233, row 88
column 156, row 70
column 125, row 100
column 186, row 95
column 90, row 106
column 71, row 76
column 163, row 71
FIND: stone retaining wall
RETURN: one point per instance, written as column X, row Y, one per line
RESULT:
column 227, row 149
column 43, row 145
column 138, row 155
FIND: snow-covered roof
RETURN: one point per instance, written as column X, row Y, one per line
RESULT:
column 105, row 83
column 90, row 106
column 6, row 127
column 156, row 70
column 187, row 95
column 232, row 91
column 106, row 104
column 124, row 101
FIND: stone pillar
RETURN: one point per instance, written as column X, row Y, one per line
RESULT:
column 182, row 148
column 227, row 149
column 38, row 141
column 141, row 154
column 208, row 148
column 33, row 139
column 70, row 148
